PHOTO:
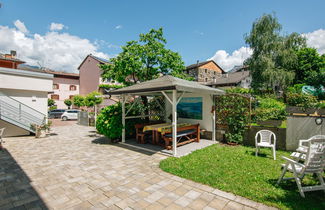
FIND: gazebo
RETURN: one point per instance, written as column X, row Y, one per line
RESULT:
column 173, row 89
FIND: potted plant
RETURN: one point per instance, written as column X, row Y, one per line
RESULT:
column 41, row 130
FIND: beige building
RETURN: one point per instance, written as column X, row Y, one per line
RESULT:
column 23, row 99
column 206, row 71
column 65, row 86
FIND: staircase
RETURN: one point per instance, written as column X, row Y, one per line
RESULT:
column 19, row 114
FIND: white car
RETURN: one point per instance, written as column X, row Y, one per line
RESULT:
column 70, row 114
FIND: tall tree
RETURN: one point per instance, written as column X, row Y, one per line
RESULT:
column 310, row 68
column 144, row 59
column 273, row 61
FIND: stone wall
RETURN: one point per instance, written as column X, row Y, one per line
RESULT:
column 280, row 133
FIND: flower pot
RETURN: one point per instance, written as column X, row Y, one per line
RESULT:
column 274, row 123
column 40, row 133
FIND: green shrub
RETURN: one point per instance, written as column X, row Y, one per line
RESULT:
column 78, row 100
column 109, row 121
column 109, row 86
column 53, row 107
column 297, row 88
column 233, row 110
column 321, row 105
column 269, row 109
column 50, row 102
column 301, row 100
column 238, row 90
column 91, row 99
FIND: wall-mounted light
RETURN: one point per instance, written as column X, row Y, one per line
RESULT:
column 319, row 121
column 33, row 98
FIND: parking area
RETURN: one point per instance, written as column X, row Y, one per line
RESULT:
column 59, row 122
column 75, row 168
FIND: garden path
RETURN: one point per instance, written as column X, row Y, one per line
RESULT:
column 76, row 169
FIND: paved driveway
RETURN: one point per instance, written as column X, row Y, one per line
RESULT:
column 75, row 169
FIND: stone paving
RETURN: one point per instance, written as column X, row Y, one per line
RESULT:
column 75, row 169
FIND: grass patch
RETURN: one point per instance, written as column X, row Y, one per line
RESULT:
column 236, row 169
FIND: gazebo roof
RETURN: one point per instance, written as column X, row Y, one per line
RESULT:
column 165, row 83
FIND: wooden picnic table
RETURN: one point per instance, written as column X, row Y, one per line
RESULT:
column 160, row 129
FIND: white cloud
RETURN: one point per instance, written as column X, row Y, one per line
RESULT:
column 316, row 39
column 118, row 27
column 57, row 26
column 55, row 50
column 21, row 26
column 228, row 61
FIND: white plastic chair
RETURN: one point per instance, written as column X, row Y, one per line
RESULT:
column 313, row 164
column 302, row 149
column 263, row 138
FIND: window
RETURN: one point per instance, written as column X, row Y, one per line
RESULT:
column 55, row 97
column 206, row 70
column 55, row 86
column 214, row 73
column 206, row 79
column 73, row 87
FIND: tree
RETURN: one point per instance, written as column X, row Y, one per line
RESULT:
column 144, row 60
column 68, row 103
column 274, row 57
column 310, row 68
column 78, row 100
column 92, row 99
column 50, row 102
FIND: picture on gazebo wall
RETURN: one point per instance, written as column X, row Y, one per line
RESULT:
column 190, row 107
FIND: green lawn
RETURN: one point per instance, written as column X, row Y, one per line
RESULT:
column 236, row 169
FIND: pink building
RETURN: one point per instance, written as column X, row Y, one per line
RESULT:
column 90, row 77
column 90, row 74
column 65, row 86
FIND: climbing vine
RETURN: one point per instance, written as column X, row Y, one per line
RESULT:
column 233, row 110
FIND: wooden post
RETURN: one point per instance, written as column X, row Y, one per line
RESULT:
column 214, row 120
column 123, row 118
column 174, row 124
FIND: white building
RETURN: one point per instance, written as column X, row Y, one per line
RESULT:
column 23, row 99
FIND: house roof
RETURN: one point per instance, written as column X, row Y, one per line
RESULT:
column 3, row 57
column 167, row 83
column 100, row 60
column 231, row 78
column 57, row 73
column 197, row 65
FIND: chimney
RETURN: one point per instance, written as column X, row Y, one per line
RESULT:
column 197, row 62
column 13, row 53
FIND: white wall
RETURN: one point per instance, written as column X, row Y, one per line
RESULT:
column 24, row 82
column 29, row 88
column 206, row 122
column 34, row 99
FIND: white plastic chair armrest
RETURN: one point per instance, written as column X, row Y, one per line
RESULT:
column 302, row 141
column 292, row 161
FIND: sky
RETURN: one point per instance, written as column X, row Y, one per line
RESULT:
column 59, row 34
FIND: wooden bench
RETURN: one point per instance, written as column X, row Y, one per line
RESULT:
column 185, row 135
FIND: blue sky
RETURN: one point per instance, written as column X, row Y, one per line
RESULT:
column 195, row 29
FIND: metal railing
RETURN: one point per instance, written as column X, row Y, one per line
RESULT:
column 19, row 114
